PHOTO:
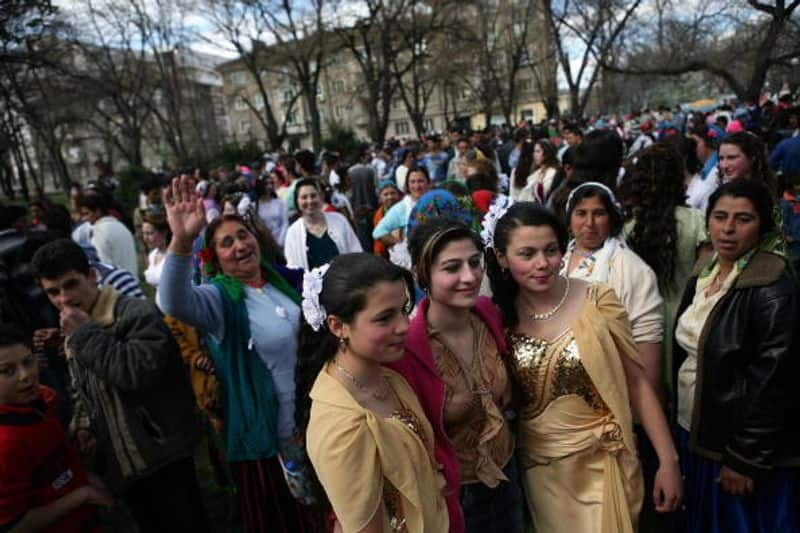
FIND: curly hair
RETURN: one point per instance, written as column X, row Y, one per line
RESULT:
column 650, row 192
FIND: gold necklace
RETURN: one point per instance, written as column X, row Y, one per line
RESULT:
column 549, row 314
column 380, row 396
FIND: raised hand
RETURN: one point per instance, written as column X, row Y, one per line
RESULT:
column 185, row 213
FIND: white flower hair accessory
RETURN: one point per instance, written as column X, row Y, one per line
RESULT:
column 495, row 213
column 313, row 311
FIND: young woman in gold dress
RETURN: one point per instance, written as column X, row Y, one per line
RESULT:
column 578, row 368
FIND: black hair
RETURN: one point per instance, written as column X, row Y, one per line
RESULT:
column 261, row 188
column 651, row 190
column 687, row 148
column 305, row 160
column 14, row 335
column 572, row 128
column 58, row 220
column 756, row 192
column 615, row 215
column 306, row 182
column 417, row 168
column 504, row 288
column 601, row 153
column 428, row 240
column 482, row 181
column 524, row 166
column 345, row 287
column 56, row 258
column 707, row 135
column 94, row 199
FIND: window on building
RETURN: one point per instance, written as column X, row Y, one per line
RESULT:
column 239, row 104
column 338, row 86
column 259, row 101
column 291, row 117
column 244, row 126
column 287, row 95
column 525, row 84
column 239, row 77
column 428, row 124
column 397, row 103
column 320, row 94
column 401, row 127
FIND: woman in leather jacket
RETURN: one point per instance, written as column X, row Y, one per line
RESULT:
column 736, row 364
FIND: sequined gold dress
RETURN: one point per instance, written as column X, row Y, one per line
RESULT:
column 576, row 443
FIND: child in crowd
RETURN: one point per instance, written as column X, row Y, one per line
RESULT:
column 43, row 485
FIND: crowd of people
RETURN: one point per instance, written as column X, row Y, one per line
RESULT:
column 566, row 327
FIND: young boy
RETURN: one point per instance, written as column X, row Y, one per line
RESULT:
column 134, row 406
column 42, row 484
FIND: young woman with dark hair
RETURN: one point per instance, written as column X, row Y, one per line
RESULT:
column 455, row 361
column 577, row 364
column 661, row 229
column 525, row 167
column 541, row 181
column 367, row 436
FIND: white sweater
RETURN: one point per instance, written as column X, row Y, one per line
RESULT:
column 339, row 229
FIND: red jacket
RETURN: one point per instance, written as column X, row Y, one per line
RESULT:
column 37, row 464
column 419, row 369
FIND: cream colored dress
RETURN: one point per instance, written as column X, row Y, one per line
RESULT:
column 369, row 464
column 577, row 448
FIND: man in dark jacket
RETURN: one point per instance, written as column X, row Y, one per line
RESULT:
column 134, row 406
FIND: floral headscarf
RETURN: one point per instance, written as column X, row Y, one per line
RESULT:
column 441, row 203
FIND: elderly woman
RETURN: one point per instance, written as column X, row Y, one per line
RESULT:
column 250, row 315
column 736, row 354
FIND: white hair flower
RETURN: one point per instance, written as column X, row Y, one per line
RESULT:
column 495, row 213
column 313, row 311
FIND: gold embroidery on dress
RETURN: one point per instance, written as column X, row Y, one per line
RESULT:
column 547, row 370
column 391, row 496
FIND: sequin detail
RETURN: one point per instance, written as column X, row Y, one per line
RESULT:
column 391, row 496
column 394, row 507
column 547, row 370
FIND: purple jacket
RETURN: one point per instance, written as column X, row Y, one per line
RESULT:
column 419, row 369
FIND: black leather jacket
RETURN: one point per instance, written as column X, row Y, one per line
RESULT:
column 747, row 395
